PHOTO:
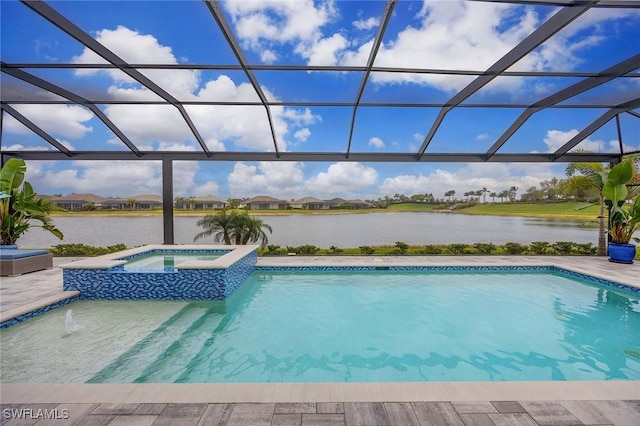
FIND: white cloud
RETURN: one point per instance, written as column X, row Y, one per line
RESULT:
column 376, row 142
column 302, row 135
column 64, row 120
column 325, row 51
column 264, row 22
column 163, row 127
column 134, row 47
column 482, row 137
column 454, row 34
column 277, row 179
column 20, row 147
column 305, row 117
column 366, row 24
column 342, row 179
column 555, row 139
column 207, row 188
column 493, row 176
column 268, row 56
column 109, row 178
column 184, row 176
column 561, row 52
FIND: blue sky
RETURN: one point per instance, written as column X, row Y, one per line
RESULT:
column 431, row 34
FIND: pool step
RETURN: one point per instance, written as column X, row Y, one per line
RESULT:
column 171, row 364
column 133, row 362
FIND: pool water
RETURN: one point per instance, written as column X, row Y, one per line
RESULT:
column 338, row 326
column 161, row 262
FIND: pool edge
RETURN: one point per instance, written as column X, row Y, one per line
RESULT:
column 318, row 392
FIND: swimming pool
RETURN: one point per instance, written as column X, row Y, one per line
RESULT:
column 339, row 325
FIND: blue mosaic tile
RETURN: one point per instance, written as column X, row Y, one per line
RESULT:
column 178, row 284
column 595, row 280
column 32, row 314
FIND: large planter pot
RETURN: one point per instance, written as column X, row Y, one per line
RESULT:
column 622, row 253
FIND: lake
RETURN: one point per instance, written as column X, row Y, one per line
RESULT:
column 323, row 230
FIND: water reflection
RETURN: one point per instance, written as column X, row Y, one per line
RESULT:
column 608, row 330
column 328, row 230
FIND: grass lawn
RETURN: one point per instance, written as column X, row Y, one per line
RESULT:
column 569, row 210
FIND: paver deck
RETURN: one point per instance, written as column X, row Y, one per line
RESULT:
column 455, row 403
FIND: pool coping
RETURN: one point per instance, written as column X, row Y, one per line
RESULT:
column 357, row 392
column 107, row 261
column 115, row 393
column 40, row 306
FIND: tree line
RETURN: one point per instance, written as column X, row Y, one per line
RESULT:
column 578, row 185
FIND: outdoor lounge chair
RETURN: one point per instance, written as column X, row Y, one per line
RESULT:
column 18, row 262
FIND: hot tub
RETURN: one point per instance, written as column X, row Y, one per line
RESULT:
column 213, row 273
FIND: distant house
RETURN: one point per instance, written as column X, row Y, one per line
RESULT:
column 359, row 204
column 341, row 203
column 76, row 202
column 210, row 202
column 309, row 203
column 141, row 202
column 264, row 202
column 336, row 203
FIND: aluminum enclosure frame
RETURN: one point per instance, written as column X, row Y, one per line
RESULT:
column 569, row 10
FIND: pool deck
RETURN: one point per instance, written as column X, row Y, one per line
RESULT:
column 470, row 403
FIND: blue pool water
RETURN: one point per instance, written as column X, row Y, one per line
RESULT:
column 161, row 262
column 337, row 326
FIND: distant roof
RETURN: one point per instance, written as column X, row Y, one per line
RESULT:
column 92, row 198
column 264, row 199
column 306, row 200
column 210, row 199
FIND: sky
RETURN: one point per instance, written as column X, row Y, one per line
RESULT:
column 441, row 34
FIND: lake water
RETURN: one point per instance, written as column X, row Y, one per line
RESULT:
column 340, row 230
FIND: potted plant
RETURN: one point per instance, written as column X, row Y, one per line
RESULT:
column 624, row 217
column 20, row 205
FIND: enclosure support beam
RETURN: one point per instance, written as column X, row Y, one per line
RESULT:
column 167, row 200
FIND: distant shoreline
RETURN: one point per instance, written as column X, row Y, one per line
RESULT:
column 567, row 210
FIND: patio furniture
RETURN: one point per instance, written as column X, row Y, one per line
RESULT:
column 17, row 262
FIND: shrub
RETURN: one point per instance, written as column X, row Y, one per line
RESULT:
column 457, row 248
column 431, row 249
column 401, row 248
column 84, row 250
column 306, row 249
column 539, row 247
column 484, row 248
column 274, row 250
column 335, row 250
column 366, row 250
column 563, row 247
column 586, row 249
column 514, row 248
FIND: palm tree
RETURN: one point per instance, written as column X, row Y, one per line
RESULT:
column 483, row 192
column 237, row 227
column 131, row 202
column 219, row 226
column 248, row 229
column 450, row 193
column 493, row 196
